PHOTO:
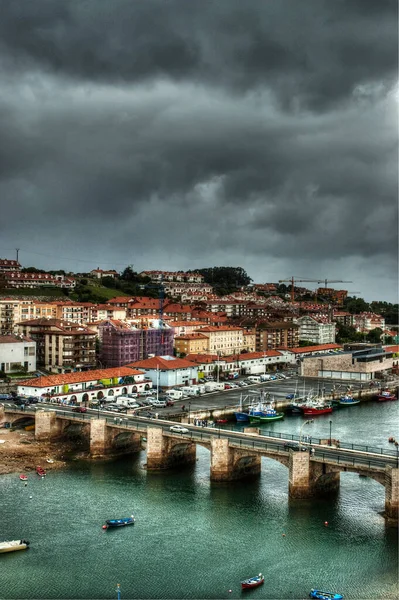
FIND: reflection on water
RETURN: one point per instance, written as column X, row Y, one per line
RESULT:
column 194, row 538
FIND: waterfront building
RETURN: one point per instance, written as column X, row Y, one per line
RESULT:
column 359, row 365
column 224, row 340
column 87, row 386
column 168, row 371
column 17, row 354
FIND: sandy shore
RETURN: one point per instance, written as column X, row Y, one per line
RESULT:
column 20, row 452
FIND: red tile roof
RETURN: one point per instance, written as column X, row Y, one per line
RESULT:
column 306, row 349
column 163, row 363
column 95, row 375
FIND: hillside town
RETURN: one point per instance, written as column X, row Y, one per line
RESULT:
column 183, row 328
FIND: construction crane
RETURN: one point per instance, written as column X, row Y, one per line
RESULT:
column 293, row 280
column 326, row 281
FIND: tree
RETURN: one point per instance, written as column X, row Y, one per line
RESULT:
column 347, row 333
column 374, row 336
column 225, row 280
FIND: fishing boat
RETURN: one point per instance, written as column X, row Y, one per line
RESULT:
column 119, row 522
column 262, row 413
column 241, row 417
column 40, row 471
column 386, row 396
column 348, row 400
column 317, row 409
column 324, row 595
column 253, row 582
column 221, row 421
column 23, row 477
column 13, row 546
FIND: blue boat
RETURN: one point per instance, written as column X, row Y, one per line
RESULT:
column 324, row 595
column 348, row 400
column 241, row 417
column 119, row 522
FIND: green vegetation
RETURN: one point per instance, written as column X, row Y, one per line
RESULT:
column 225, row 280
column 37, row 292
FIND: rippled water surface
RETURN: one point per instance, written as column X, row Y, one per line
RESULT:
column 194, row 539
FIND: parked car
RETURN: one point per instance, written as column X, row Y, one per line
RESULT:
column 158, row 403
column 294, row 446
column 33, row 400
column 227, row 386
column 179, row 429
column 79, row 409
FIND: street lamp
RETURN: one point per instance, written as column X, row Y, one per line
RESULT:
column 189, row 410
column 330, row 434
column 300, row 431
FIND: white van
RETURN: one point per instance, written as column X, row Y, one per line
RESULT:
column 254, row 378
column 175, row 394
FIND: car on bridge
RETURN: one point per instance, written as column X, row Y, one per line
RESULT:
column 79, row 409
column 179, row 429
column 294, row 446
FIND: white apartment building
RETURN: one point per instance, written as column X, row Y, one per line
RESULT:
column 17, row 353
column 315, row 330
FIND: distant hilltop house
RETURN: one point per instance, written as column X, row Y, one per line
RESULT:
column 16, row 279
column 7, row 265
column 179, row 276
column 100, row 274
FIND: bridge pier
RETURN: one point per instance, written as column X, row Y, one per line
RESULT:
column 164, row 452
column 47, row 426
column 231, row 464
column 392, row 495
column 100, row 438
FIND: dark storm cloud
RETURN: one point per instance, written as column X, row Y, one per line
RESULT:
column 191, row 133
column 310, row 52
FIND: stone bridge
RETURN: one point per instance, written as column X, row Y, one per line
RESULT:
column 233, row 455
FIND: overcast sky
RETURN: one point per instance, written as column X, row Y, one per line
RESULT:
column 179, row 135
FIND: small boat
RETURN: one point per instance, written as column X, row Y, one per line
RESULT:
column 221, row 421
column 50, row 460
column 23, row 477
column 386, row 396
column 14, row 545
column 348, row 400
column 119, row 522
column 317, row 409
column 324, row 595
column 40, row 471
column 253, row 582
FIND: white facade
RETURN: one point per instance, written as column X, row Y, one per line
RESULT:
column 315, row 331
column 167, row 378
column 17, row 354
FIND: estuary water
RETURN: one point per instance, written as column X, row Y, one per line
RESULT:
column 197, row 540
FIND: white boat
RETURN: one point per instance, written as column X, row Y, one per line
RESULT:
column 13, row 546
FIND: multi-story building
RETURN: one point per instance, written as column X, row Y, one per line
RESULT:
column 224, row 340
column 61, row 345
column 272, row 335
column 344, row 318
column 121, row 343
column 99, row 273
column 367, row 321
column 16, row 279
column 17, row 353
column 14, row 310
column 192, row 343
column 168, row 371
column 8, row 266
column 316, row 330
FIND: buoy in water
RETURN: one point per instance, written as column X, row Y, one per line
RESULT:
column 104, row 527
column 326, row 523
column 283, row 534
column 30, row 497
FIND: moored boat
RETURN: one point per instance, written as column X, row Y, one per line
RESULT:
column 386, row 396
column 324, row 595
column 119, row 522
column 253, row 582
column 23, row 477
column 348, row 400
column 317, row 409
column 13, row 546
column 40, row 471
column 241, row 417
